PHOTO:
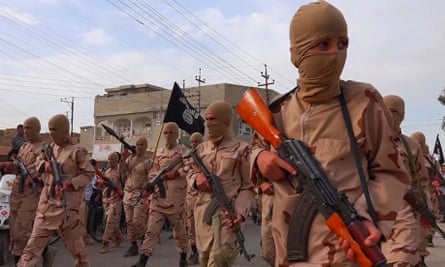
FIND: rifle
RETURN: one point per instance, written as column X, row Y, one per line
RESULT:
column 57, row 180
column 221, row 200
column 24, row 173
column 318, row 194
column 159, row 181
column 426, row 216
column 120, row 138
column 416, row 197
column 107, row 181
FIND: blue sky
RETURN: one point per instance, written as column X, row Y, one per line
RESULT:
column 52, row 49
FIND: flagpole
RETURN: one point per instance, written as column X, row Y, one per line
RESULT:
column 157, row 142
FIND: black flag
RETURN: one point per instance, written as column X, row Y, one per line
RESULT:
column 438, row 151
column 180, row 111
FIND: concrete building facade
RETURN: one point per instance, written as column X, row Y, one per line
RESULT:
column 138, row 110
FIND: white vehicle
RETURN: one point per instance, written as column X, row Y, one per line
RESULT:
column 6, row 183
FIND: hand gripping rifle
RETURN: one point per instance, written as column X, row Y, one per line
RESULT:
column 106, row 180
column 318, row 193
column 222, row 201
column 159, row 181
column 24, row 173
column 120, row 138
column 57, row 180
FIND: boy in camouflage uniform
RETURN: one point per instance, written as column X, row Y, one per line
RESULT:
column 137, row 167
column 76, row 172
column 173, row 206
column 228, row 158
column 312, row 113
column 402, row 246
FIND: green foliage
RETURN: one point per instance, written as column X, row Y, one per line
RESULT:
column 441, row 99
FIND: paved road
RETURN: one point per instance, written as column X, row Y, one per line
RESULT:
column 165, row 254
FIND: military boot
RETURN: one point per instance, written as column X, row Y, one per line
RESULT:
column 132, row 251
column 141, row 262
column 105, row 247
column 194, row 257
column 422, row 262
column 183, row 259
column 118, row 241
column 48, row 256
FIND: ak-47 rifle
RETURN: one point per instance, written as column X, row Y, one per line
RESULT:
column 426, row 216
column 120, row 138
column 318, row 193
column 416, row 197
column 159, row 181
column 221, row 201
column 24, row 173
column 57, row 180
column 106, row 180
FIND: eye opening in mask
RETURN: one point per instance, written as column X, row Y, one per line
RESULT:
column 168, row 132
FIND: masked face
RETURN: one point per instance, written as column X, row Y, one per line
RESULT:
column 141, row 145
column 113, row 160
column 218, row 117
column 195, row 139
column 318, row 36
column 31, row 128
column 396, row 106
column 59, row 127
column 171, row 133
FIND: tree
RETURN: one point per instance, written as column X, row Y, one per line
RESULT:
column 441, row 99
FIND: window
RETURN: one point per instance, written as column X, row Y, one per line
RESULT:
column 244, row 129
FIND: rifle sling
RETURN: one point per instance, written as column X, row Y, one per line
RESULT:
column 300, row 222
column 354, row 149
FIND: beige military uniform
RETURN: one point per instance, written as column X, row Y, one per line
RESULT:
column 321, row 127
column 402, row 246
column 172, row 207
column 23, row 205
column 267, row 242
column 190, row 201
column 76, row 168
column 136, row 213
column 113, row 207
column 229, row 160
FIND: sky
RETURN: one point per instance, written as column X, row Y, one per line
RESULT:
column 57, row 55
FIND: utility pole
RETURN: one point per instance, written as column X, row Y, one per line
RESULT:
column 199, row 80
column 267, row 83
column 71, row 105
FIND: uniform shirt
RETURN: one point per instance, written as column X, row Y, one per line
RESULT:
column 175, row 188
column 75, row 167
column 27, row 200
column 230, row 162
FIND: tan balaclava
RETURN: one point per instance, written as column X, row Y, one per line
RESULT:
column 59, row 127
column 141, row 145
column 319, row 72
column 420, row 138
column 171, row 133
column 113, row 159
column 396, row 106
column 32, row 130
column 220, row 126
column 195, row 139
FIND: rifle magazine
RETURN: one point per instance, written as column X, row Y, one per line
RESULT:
column 210, row 211
column 299, row 227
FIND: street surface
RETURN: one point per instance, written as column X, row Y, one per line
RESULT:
column 165, row 254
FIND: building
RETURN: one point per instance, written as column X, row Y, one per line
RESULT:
column 138, row 110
